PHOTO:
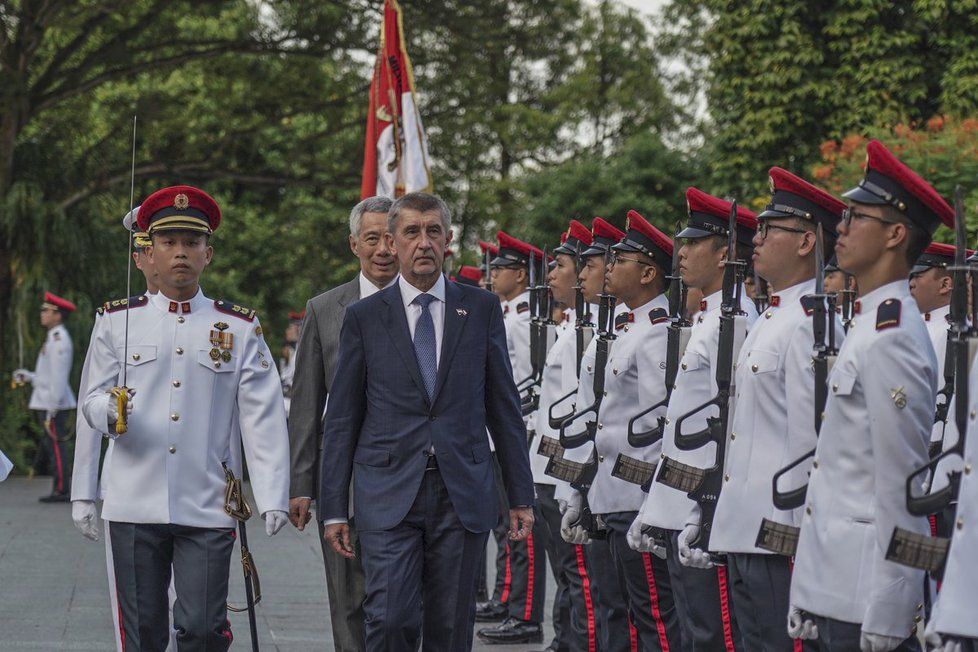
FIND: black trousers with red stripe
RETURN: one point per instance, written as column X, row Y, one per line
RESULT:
column 528, row 566
column 644, row 580
column 575, row 626
column 143, row 555
column 703, row 601
column 615, row 632
column 54, row 448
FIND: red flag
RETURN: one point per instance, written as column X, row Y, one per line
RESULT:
column 396, row 150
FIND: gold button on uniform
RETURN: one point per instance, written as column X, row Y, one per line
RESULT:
column 808, row 510
column 815, row 464
column 601, row 458
column 733, row 436
column 600, row 426
column 835, row 388
column 176, row 383
column 173, row 449
column 180, row 320
column 753, row 368
column 135, row 356
column 174, row 417
column 179, row 351
column 960, row 523
column 683, row 365
column 726, row 477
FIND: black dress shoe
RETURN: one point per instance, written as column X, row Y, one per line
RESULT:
column 490, row 612
column 512, row 630
column 54, row 498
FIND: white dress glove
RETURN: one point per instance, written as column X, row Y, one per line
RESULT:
column 274, row 520
column 935, row 644
column 83, row 515
column 569, row 530
column 878, row 642
column 800, row 626
column 689, row 556
column 23, row 376
column 561, row 506
column 641, row 542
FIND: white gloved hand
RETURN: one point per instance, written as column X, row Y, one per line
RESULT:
column 561, row 506
column 935, row 644
column 275, row 519
column 83, row 515
column 800, row 625
column 112, row 410
column 689, row 556
column 641, row 542
column 23, row 376
column 878, row 642
column 570, row 531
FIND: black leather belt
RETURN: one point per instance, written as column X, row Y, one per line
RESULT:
column 431, row 463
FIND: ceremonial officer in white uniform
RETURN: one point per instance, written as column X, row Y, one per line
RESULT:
column 773, row 418
column 930, row 285
column 575, row 627
column 634, row 376
column 702, row 594
column 51, row 397
column 204, row 384
column 527, row 563
column 877, row 425
column 953, row 626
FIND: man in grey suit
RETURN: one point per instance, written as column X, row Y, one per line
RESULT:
column 314, row 368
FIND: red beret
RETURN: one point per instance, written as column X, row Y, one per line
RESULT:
column 58, row 303
column 183, row 208
column 890, row 181
column 792, row 196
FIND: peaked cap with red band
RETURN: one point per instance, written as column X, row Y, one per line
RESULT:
column 513, row 251
column 577, row 239
column 58, row 303
column 792, row 196
column 642, row 237
column 179, row 208
column 297, row 316
column 604, row 234
column 709, row 215
column 888, row 181
column 469, row 275
column 488, row 246
column 936, row 254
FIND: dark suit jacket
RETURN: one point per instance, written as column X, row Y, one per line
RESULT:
column 380, row 422
column 314, row 368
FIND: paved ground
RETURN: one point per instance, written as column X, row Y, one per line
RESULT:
column 54, row 593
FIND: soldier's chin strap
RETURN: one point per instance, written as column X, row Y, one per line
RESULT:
column 236, row 506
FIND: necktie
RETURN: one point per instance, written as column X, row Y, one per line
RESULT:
column 424, row 343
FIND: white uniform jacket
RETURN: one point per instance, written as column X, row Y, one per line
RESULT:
column 204, row 380
column 634, row 379
column 52, row 388
column 696, row 384
column 88, row 440
column 876, row 429
column 937, row 326
column 773, row 421
column 516, row 318
column 954, row 612
column 559, row 378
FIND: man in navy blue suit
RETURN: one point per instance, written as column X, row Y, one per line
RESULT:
column 423, row 371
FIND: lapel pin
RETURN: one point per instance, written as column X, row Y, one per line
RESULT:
column 461, row 312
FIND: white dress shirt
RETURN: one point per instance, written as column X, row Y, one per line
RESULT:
column 367, row 286
column 437, row 309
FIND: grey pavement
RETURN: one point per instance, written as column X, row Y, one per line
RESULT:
column 54, row 591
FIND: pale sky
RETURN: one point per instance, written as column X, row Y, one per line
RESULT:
column 645, row 6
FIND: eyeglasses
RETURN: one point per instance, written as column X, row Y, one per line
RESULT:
column 616, row 258
column 849, row 214
column 765, row 227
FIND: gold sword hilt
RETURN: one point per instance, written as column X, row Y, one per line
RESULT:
column 121, row 395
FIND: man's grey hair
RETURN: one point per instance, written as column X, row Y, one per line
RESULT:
column 374, row 204
column 422, row 202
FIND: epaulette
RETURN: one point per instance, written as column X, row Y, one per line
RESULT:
column 522, row 307
column 808, row 304
column 888, row 314
column 658, row 315
column 121, row 304
column 248, row 314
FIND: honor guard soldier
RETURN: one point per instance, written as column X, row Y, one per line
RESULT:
column 287, row 363
column 702, row 594
column 196, row 366
column 876, row 426
column 51, row 397
column 574, row 618
column 930, row 285
column 526, row 566
column 633, row 375
column 87, row 484
column 773, row 418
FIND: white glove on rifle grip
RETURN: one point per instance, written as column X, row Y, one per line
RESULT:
column 878, row 642
column 84, row 517
column 689, row 556
column 569, row 530
column 275, row 519
column 799, row 626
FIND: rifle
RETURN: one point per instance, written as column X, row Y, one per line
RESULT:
column 543, row 338
column 237, row 507
column 707, row 487
column 946, row 393
column 489, row 285
column 777, row 537
column 534, row 290
column 677, row 338
column 847, row 301
column 580, row 476
column 583, row 330
column 909, row 548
